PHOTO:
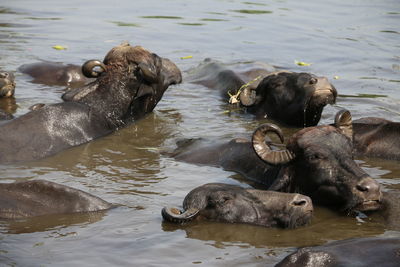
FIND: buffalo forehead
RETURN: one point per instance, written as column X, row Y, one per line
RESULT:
column 126, row 54
column 320, row 137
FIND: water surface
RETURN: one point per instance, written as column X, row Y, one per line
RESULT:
column 357, row 41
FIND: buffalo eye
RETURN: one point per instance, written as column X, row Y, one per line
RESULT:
column 313, row 157
column 313, row 81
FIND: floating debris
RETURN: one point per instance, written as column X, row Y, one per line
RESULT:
column 59, row 47
column 234, row 98
column 302, row 63
column 187, row 57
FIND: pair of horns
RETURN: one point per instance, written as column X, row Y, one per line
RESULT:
column 93, row 68
column 264, row 149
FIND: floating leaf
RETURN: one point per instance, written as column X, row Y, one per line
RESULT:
column 302, row 63
column 187, row 57
column 59, row 47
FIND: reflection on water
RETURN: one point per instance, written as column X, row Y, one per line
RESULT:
column 49, row 223
column 316, row 233
column 350, row 40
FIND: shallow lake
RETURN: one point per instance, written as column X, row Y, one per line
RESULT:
column 356, row 44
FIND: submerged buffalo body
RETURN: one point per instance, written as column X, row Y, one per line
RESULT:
column 376, row 137
column 234, row 204
column 357, row 252
column 317, row 162
column 51, row 73
column 129, row 85
column 39, row 197
column 295, row 99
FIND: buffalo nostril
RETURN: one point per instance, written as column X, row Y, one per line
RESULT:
column 301, row 202
column 369, row 186
column 362, row 188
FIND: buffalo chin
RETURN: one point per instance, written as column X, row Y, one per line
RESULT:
column 369, row 205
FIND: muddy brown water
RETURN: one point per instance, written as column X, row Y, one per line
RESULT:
column 358, row 41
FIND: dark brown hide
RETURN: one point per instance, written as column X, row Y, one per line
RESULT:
column 357, row 252
column 39, row 197
column 52, row 73
column 376, row 137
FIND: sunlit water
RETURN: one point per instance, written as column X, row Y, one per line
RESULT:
column 357, row 41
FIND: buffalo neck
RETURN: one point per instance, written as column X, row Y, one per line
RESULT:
column 111, row 95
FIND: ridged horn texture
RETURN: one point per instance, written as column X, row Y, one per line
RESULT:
column 88, row 68
column 343, row 121
column 176, row 216
column 263, row 149
column 247, row 97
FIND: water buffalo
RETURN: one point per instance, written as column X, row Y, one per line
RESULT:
column 129, row 84
column 317, row 162
column 294, row 99
column 7, row 84
column 376, row 137
column 372, row 251
column 39, row 197
column 234, row 204
column 52, row 73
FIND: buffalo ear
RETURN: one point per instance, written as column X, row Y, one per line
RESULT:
column 144, row 89
column 282, row 184
column 150, row 71
column 343, row 121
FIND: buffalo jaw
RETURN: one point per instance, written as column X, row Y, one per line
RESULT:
column 7, row 84
column 370, row 194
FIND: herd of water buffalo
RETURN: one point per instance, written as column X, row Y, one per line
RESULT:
column 315, row 165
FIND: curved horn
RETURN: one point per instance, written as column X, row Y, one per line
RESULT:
column 343, row 121
column 176, row 216
column 263, row 149
column 247, row 97
column 89, row 71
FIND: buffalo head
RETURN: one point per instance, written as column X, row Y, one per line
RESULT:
column 129, row 83
column 7, row 84
column 297, row 99
column 233, row 204
column 318, row 162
